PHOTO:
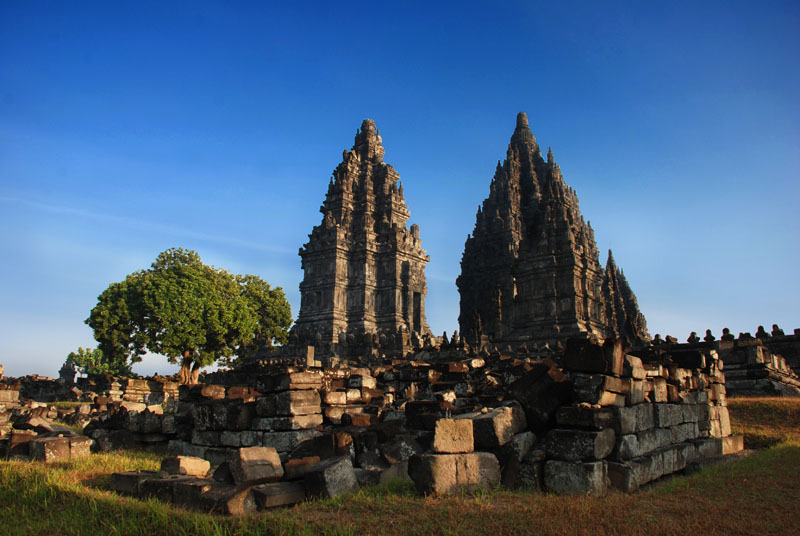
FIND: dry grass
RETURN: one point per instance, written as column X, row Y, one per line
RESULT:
column 756, row 495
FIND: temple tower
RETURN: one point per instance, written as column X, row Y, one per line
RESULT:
column 530, row 268
column 364, row 284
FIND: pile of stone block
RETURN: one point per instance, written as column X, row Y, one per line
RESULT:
column 454, row 465
column 282, row 411
column 351, row 396
column 253, row 479
column 752, row 369
column 630, row 422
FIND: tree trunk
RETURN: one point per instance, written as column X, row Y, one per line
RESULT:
column 185, row 374
column 195, row 376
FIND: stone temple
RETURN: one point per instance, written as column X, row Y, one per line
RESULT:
column 363, row 290
column 530, row 268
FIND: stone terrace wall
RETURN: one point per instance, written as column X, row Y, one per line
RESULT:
column 591, row 419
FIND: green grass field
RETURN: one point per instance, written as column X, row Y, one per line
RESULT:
column 758, row 494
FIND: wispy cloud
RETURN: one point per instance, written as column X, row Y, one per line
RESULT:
column 146, row 225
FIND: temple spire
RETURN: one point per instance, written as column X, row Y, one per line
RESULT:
column 522, row 133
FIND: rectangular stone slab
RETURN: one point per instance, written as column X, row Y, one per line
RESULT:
column 279, row 494
column 445, row 474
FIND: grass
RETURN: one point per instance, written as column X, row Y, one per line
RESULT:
column 755, row 495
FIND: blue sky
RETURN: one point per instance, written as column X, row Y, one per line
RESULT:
column 127, row 128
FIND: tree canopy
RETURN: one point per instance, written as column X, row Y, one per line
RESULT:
column 188, row 312
column 93, row 361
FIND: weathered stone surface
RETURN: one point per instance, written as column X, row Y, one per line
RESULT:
column 228, row 499
column 311, row 379
column 278, row 494
column 579, row 445
column 49, row 449
column 629, row 420
column 588, row 356
column 541, row 392
column 286, row 423
column 453, row 436
column 364, row 270
column 576, row 478
column 254, row 465
column 187, row 493
column 79, row 446
column 732, row 445
column 162, row 488
column 330, row 478
column 296, row 402
column 445, row 474
column 288, row 441
column 127, row 483
column 400, row 449
column 185, row 465
column 586, row 417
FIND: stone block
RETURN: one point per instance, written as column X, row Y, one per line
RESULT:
column 600, row 389
column 530, row 477
column 330, row 478
column 497, row 426
column 623, row 476
column 637, row 394
column 709, row 448
column 541, row 392
column 49, row 449
column 400, row 449
column 576, row 478
column 162, row 488
column 519, row 446
column 286, row 423
column 659, row 392
column 358, row 381
column 311, row 379
column 629, row 420
column 296, row 469
column 294, row 402
column 579, row 445
column 185, row 465
column 453, row 436
column 127, row 483
column 627, row 447
column 445, row 474
column 686, row 453
column 228, row 499
column 187, row 493
column 585, row 417
column 288, row 441
column 732, row 445
column 335, row 398
column 230, row 439
column 79, row 446
column 667, row 415
column 255, row 465
column 278, row 494
column 632, row 368
column 209, row 438
column 585, row 355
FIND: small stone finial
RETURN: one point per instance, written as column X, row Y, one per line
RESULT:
column 522, row 132
column 550, row 159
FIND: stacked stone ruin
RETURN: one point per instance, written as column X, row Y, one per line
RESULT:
column 553, row 384
column 767, row 365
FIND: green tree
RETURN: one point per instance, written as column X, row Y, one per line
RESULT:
column 90, row 361
column 192, row 313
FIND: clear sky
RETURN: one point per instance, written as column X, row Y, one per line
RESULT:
column 127, row 128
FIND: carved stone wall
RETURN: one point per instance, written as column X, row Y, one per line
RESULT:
column 530, row 269
column 364, row 270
